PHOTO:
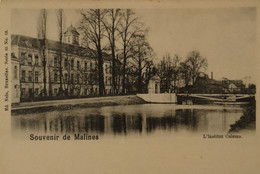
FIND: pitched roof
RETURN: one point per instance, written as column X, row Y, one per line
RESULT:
column 34, row 43
column 25, row 41
column 238, row 83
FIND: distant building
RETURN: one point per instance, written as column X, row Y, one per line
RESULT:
column 79, row 67
column 233, row 85
column 204, row 84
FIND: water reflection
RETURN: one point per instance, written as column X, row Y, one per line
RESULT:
column 130, row 119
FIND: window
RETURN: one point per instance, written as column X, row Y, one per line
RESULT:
column 72, row 78
column 15, row 72
column 36, row 76
column 110, row 81
column 16, row 90
column 66, row 63
column 55, row 91
column 66, row 78
column 36, row 91
column 86, row 78
column 90, row 66
column 23, row 75
column 72, row 64
column 30, row 76
column 106, row 69
column 36, row 59
column 23, row 92
column 77, row 78
column 78, row 65
column 30, row 92
column 73, row 40
column 55, row 62
column 91, row 78
column 55, row 77
column 86, row 66
column 23, row 58
column 29, row 59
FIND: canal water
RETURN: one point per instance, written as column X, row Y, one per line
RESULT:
column 130, row 120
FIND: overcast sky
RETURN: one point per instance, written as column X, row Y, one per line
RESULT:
column 225, row 36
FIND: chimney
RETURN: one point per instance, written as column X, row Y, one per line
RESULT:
column 212, row 75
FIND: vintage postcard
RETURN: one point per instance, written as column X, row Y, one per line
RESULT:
column 129, row 87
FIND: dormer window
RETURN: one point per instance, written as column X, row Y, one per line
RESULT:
column 36, row 59
column 29, row 59
column 55, row 61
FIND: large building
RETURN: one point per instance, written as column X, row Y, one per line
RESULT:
column 79, row 67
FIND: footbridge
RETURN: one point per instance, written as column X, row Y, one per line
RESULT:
column 218, row 97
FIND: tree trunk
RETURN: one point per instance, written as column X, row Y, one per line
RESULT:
column 139, row 72
column 113, row 67
column 44, row 69
column 124, row 70
column 100, row 73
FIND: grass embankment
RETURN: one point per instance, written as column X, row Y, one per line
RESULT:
column 246, row 121
column 24, row 108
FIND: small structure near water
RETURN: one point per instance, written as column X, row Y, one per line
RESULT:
column 154, row 85
column 154, row 95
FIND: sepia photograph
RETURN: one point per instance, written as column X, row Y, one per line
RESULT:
column 129, row 87
column 98, row 72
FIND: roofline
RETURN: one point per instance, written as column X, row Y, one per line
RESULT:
column 46, row 40
column 78, row 46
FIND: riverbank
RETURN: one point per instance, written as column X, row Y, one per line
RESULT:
column 247, row 121
column 43, row 106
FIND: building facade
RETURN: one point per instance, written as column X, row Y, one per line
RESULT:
column 78, row 66
column 15, row 79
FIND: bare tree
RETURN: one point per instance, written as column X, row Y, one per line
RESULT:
column 185, row 73
column 67, row 68
column 165, row 72
column 50, row 82
column 129, row 27
column 169, row 70
column 42, row 32
column 60, row 18
column 93, row 32
column 196, row 63
column 111, row 24
column 140, row 51
column 176, row 70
